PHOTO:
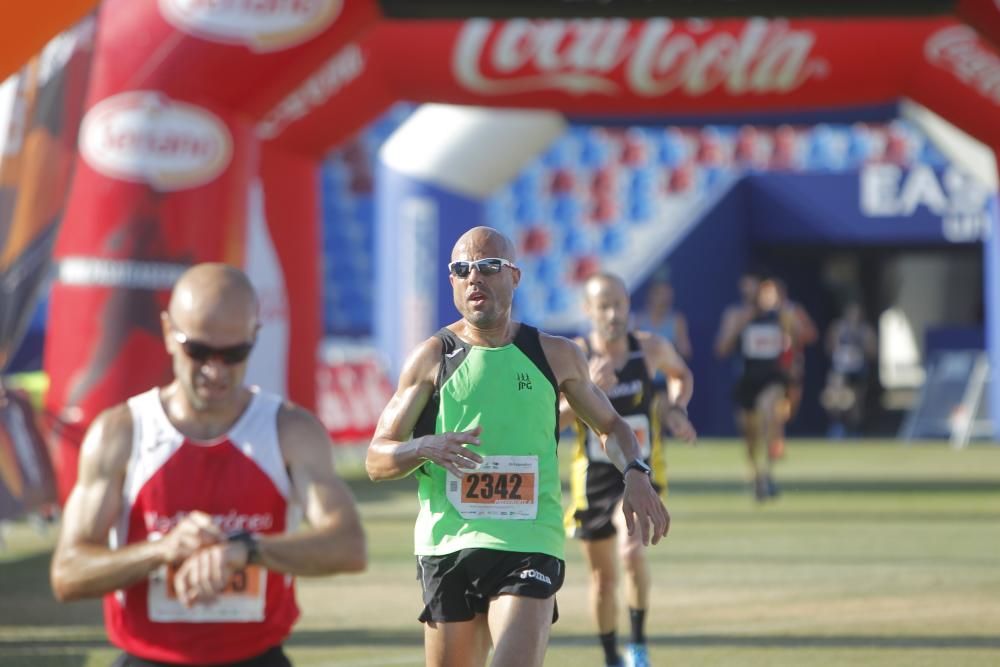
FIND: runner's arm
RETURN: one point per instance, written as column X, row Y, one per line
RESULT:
column 662, row 356
column 808, row 332
column 733, row 321
column 335, row 540
column 567, row 417
column 681, row 336
column 589, row 402
column 393, row 453
column 83, row 565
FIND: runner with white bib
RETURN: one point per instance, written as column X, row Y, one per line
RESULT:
column 760, row 332
column 475, row 418
column 622, row 363
column 185, row 509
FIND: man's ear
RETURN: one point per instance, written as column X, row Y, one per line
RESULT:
column 166, row 327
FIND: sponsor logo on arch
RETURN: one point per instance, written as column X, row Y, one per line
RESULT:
column 146, row 137
column 260, row 25
column 649, row 59
column 957, row 49
column 959, row 199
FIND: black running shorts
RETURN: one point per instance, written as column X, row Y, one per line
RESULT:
column 459, row 585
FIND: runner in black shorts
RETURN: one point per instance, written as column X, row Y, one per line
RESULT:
column 763, row 331
column 475, row 418
column 622, row 363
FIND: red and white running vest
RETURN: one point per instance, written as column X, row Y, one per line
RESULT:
column 241, row 481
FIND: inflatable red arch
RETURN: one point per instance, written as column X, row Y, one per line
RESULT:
column 204, row 114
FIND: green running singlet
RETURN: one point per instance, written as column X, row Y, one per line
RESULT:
column 512, row 502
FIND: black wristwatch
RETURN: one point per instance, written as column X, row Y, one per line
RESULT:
column 249, row 540
column 638, row 464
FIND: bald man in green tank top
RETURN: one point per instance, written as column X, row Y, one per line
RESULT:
column 476, row 419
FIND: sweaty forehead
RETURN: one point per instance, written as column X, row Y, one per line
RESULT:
column 477, row 246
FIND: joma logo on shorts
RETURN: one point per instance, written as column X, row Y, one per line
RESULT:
column 535, row 574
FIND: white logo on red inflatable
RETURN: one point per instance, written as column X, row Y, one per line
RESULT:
column 268, row 25
column 146, row 137
column 649, row 59
column 341, row 69
column 957, row 50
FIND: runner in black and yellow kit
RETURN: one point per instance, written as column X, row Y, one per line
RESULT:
column 622, row 363
column 489, row 538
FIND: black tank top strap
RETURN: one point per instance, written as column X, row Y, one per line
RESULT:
column 453, row 353
column 634, row 347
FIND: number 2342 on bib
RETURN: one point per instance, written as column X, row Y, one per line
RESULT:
column 502, row 487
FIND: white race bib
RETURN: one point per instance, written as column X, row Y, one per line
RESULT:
column 639, row 425
column 848, row 358
column 241, row 602
column 502, row 487
column 763, row 341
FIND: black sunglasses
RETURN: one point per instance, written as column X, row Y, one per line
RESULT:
column 202, row 353
column 487, row 266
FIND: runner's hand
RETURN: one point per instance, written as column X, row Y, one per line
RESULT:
column 194, row 531
column 602, row 372
column 643, row 508
column 206, row 573
column 680, row 426
column 449, row 450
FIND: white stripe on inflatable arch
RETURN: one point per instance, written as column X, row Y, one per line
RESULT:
column 471, row 151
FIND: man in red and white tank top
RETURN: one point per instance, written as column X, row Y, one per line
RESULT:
column 182, row 516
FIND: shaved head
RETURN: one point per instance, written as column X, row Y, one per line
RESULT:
column 606, row 303
column 212, row 296
column 483, row 242
column 484, row 300
column 212, row 306
column 599, row 282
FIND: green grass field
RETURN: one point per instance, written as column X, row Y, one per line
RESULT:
column 876, row 554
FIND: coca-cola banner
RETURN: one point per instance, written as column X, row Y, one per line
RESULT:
column 959, row 78
column 983, row 16
column 658, row 65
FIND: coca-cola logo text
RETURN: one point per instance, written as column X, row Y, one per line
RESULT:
column 261, row 25
column 957, row 50
column 651, row 59
column 146, row 137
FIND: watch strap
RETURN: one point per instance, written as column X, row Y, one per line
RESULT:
column 249, row 540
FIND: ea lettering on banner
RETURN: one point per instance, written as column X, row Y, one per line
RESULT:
column 650, row 59
column 886, row 191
